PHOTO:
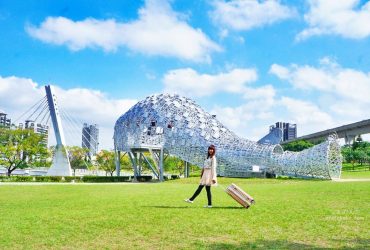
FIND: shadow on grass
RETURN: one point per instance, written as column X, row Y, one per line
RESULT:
column 281, row 244
column 358, row 244
column 193, row 207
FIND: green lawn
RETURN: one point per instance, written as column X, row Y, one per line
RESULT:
column 359, row 174
column 355, row 167
column 288, row 214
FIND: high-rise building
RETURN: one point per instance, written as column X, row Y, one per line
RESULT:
column 280, row 132
column 289, row 130
column 38, row 128
column 4, row 121
column 90, row 140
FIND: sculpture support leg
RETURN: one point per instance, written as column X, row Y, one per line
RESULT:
column 118, row 162
column 161, row 170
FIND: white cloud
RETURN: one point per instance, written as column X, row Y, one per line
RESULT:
column 305, row 113
column 341, row 17
column 329, row 77
column 259, row 100
column 266, row 92
column 157, row 31
column 246, row 15
column 349, row 109
column 17, row 95
column 279, row 71
column 329, row 96
column 252, row 119
column 189, row 82
column 232, row 117
column 341, row 95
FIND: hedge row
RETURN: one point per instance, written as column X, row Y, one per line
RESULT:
column 87, row 178
column 17, row 178
column 171, row 177
column 66, row 179
column 90, row 179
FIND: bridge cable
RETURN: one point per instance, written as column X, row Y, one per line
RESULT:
column 37, row 103
column 76, row 128
column 43, row 118
column 78, row 125
column 38, row 107
column 46, row 107
column 71, row 131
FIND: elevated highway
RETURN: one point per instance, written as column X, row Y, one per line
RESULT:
column 348, row 132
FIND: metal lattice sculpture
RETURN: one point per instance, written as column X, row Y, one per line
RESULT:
column 182, row 128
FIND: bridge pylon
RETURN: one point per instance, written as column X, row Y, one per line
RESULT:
column 61, row 165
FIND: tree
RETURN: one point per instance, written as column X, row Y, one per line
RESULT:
column 125, row 162
column 173, row 163
column 297, row 146
column 348, row 155
column 78, row 158
column 361, row 156
column 22, row 148
column 360, row 144
column 106, row 161
column 367, row 151
column 360, row 152
column 144, row 164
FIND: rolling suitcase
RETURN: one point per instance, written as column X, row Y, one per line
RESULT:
column 239, row 195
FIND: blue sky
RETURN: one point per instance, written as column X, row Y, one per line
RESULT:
column 251, row 63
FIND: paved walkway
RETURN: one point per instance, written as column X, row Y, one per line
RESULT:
column 349, row 180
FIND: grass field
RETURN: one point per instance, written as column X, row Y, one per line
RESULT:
column 355, row 167
column 361, row 174
column 288, row 214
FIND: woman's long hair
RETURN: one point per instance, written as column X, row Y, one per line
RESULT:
column 214, row 151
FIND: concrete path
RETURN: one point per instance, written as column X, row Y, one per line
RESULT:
column 350, row 180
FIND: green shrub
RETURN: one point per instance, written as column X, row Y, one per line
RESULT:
column 171, row 177
column 144, row 178
column 283, row 177
column 19, row 178
column 48, row 178
column 4, row 178
column 270, row 175
column 16, row 178
column 88, row 178
column 195, row 174
column 72, row 178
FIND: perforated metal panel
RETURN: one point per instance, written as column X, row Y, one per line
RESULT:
column 185, row 130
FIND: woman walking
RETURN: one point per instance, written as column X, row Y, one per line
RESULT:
column 208, row 176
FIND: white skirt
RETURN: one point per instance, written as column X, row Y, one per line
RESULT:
column 206, row 177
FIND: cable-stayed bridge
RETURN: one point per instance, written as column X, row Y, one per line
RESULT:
column 67, row 130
